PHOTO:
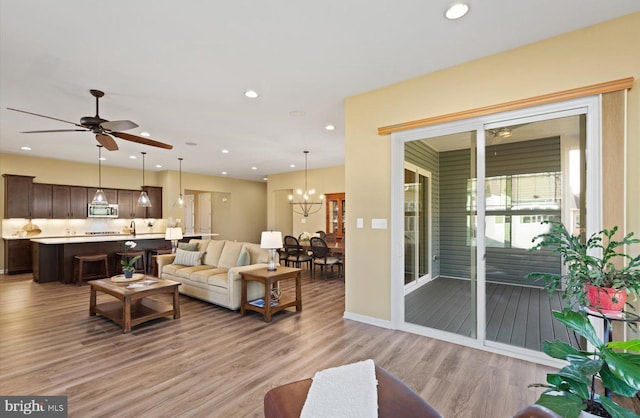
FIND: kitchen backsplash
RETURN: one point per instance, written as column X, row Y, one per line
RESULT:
column 15, row 228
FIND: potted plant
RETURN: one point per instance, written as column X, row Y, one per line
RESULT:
column 129, row 264
column 594, row 268
column 573, row 389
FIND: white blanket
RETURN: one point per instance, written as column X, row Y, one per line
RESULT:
column 348, row 391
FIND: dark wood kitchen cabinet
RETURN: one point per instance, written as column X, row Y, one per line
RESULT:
column 17, row 256
column 17, row 196
column 69, row 202
column 42, row 201
column 128, row 205
column 155, row 197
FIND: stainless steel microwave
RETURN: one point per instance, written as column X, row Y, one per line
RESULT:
column 103, row 211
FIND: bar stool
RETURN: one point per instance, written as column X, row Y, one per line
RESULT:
column 141, row 263
column 151, row 267
column 79, row 273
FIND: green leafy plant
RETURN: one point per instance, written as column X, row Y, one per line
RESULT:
column 573, row 388
column 129, row 263
column 596, row 261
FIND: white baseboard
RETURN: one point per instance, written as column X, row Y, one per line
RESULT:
column 368, row 320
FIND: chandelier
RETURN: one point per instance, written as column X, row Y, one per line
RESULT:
column 304, row 205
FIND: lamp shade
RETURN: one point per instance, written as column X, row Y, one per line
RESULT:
column 173, row 233
column 271, row 239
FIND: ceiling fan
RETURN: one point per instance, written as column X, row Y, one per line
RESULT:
column 104, row 129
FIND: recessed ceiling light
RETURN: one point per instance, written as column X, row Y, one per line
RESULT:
column 158, row 166
column 330, row 127
column 254, row 168
column 225, row 151
column 265, row 178
column 102, row 159
column 297, row 113
column 25, row 148
column 292, row 165
column 133, row 157
column 224, row 173
column 193, row 144
column 145, row 134
column 456, row 11
column 252, row 94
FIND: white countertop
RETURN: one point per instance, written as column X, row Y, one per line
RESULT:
column 104, row 238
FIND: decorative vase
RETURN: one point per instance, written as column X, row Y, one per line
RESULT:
column 128, row 273
column 606, row 300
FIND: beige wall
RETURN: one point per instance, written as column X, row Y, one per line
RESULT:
column 325, row 180
column 597, row 54
column 248, row 202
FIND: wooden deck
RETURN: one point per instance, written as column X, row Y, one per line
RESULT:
column 516, row 315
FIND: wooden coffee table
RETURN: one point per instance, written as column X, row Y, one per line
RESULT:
column 134, row 306
column 267, row 278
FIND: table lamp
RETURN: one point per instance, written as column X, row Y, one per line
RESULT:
column 173, row 234
column 271, row 240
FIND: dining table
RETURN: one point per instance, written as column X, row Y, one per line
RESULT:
column 337, row 247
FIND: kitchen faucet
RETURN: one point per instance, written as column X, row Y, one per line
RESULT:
column 132, row 226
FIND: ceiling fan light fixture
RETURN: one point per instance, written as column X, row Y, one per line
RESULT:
column 456, row 11
column 100, row 198
column 504, row 133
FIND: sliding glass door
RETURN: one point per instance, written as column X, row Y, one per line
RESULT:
column 447, row 301
column 417, row 225
column 489, row 190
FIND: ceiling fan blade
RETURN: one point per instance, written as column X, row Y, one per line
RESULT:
column 141, row 140
column 107, row 142
column 43, row 116
column 55, row 130
column 118, row 125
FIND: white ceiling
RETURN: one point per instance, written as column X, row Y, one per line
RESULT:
column 179, row 70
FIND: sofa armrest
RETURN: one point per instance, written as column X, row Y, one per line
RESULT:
column 163, row 260
column 234, row 272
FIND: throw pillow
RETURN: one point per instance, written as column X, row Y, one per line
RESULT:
column 243, row 259
column 188, row 246
column 187, row 258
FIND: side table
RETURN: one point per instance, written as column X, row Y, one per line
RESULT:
column 268, row 278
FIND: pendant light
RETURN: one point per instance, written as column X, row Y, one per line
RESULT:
column 179, row 203
column 305, row 205
column 143, row 199
column 99, row 198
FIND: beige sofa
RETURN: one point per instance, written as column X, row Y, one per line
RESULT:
column 215, row 277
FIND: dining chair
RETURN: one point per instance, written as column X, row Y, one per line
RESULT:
column 322, row 257
column 296, row 255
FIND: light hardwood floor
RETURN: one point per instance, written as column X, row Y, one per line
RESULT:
column 212, row 362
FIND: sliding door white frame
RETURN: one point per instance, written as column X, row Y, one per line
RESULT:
column 590, row 106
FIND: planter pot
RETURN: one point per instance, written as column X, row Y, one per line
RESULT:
column 128, row 274
column 606, row 300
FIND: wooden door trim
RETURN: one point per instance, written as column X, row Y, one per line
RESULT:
column 607, row 87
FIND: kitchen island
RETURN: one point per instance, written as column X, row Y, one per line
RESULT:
column 53, row 258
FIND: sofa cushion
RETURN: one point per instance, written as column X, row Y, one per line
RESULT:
column 188, row 258
column 214, row 249
column 202, row 276
column 189, row 272
column 243, row 259
column 188, row 246
column 257, row 254
column 219, row 280
column 230, row 254
column 172, row 269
